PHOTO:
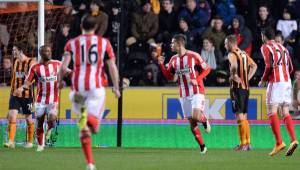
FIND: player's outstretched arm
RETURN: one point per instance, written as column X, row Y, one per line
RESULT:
column 114, row 74
column 64, row 70
column 166, row 71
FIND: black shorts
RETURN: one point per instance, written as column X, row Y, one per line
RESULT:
column 23, row 105
column 239, row 98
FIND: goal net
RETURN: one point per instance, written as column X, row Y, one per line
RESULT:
column 19, row 23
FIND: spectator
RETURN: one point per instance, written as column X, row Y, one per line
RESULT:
column 102, row 17
column 212, row 56
column 226, row 10
column 184, row 29
column 4, row 39
column 167, row 25
column 197, row 17
column 216, row 32
column 113, row 25
column 5, row 71
column 243, row 34
column 61, row 38
column 144, row 25
column 263, row 22
column 287, row 27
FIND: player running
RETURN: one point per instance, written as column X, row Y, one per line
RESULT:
column 242, row 69
column 87, row 52
column 45, row 73
column 190, row 69
column 20, row 103
column 278, row 67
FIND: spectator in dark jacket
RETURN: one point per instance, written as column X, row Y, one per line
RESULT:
column 61, row 38
column 263, row 22
column 144, row 25
column 102, row 17
column 216, row 32
column 226, row 10
column 243, row 34
column 197, row 17
column 184, row 29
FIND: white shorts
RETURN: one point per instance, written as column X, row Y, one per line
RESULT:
column 51, row 108
column 279, row 93
column 196, row 101
column 93, row 101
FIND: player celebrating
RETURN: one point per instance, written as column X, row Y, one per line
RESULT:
column 278, row 67
column 45, row 73
column 190, row 69
column 242, row 69
column 22, row 101
column 87, row 52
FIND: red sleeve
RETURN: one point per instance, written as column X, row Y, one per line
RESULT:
column 167, row 72
column 266, row 54
column 68, row 46
column 109, row 50
column 204, row 67
column 31, row 74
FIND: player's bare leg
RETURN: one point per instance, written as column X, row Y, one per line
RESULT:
column 289, row 124
column 30, row 131
column 12, row 127
column 275, row 125
column 40, row 132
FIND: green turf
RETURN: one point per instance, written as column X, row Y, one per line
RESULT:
column 144, row 159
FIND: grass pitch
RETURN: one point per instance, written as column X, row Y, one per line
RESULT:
column 146, row 159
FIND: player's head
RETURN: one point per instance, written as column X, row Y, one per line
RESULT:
column 88, row 23
column 230, row 42
column 45, row 52
column 178, row 41
column 267, row 34
column 18, row 49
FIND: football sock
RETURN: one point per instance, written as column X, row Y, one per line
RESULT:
column 40, row 135
column 93, row 123
column 12, row 127
column 275, row 125
column 86, row 141
column 247, row 132
column 240, row 131
column 197, row 133
column 243, row 132
column 30, row 131
column 290, row 127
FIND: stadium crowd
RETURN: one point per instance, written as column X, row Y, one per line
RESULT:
column 148, row 26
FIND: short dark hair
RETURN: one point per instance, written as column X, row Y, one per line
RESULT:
column 88, row 22
column 180, row 38
column 269, row 33
column 44, row 46
column 21, row 46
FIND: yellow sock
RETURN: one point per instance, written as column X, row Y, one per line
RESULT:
column 240, row 131
column 243, row 132
column 30, row 131
column 247, row 131
column 12, row 127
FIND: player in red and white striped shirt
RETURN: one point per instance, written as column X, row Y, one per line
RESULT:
column 45, row 74
column 189, row 69
column 278, row 67
column 87, row 52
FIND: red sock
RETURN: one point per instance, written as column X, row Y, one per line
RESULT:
column 290, row 127
column 275, row 124
column 86, row 141
column 203, row 118
column 40, row 135
column 197, row 133
column 93, row 123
